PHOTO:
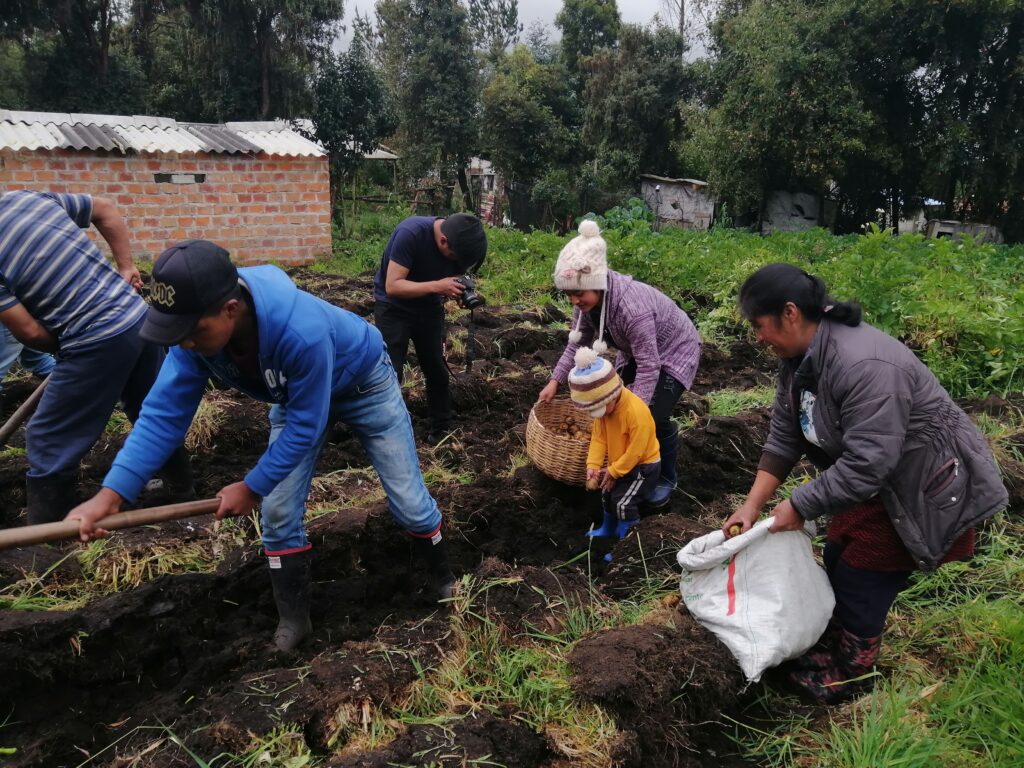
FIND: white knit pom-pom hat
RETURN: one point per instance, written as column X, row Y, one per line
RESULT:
column 583, row 263
column 583, row 266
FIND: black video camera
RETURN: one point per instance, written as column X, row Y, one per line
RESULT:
column 469, row 298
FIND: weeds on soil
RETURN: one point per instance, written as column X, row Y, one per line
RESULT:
column 107, row 565
column 729, row 402
column 206, row 423
column 490, row 670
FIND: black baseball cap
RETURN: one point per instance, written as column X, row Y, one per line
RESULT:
column 189, row 279
column 466, row 238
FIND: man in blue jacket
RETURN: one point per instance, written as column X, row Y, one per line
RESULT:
column 317, row 364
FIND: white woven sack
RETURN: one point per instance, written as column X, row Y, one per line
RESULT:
column 761, row 593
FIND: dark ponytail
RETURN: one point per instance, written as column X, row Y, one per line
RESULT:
column 767, row 291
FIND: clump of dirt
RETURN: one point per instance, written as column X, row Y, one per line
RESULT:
column 481, row 740
column 740, row 366
column 996, row 406
column 719, row 455
column 194, row 649
column 529, row 596
column 58, row 563
column 660, row 683
column 649, row 553
column 352, row 293
column 528, row 520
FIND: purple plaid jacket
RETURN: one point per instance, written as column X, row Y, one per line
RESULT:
column 646, row 326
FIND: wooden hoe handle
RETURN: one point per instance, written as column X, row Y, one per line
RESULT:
column 68, row 529
column 23, row 412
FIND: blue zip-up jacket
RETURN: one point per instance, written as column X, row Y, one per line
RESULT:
column 309, row 351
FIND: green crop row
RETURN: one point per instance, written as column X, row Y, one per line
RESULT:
column 958, row 304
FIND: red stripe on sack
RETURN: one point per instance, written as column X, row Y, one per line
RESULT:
column 731, row 587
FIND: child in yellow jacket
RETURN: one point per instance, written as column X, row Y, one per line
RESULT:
column 622, row 433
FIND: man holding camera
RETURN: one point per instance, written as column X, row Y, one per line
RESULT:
column 422, row 265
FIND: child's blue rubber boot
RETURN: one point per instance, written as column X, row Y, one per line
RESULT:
column 621, row 529
column 659, row 495
column 608, row 527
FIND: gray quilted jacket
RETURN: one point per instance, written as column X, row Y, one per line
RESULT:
column 647, row 327
column 887, row 428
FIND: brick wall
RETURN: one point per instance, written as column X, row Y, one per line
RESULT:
column 260, row 208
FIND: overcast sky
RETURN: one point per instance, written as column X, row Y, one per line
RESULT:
column 632, row 11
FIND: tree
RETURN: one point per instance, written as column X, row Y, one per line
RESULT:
column 530, row 117
column 13, row 78
column 586, row 25
column 351, row 112
column 427, row 52
column 538, row 41
column 75, row 54
column 675, row 12
column 265, row 49
column 784, row 112
column 631, row 104
column 495, row 25
column 882, row 104
column 973, row 83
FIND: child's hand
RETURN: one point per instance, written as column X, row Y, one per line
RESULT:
column 593, row 479
column 607, row 481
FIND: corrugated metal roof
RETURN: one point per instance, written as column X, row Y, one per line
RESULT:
column 92, row 136
column 277, row 138
column 667, row 180
column 380, row 154
column 223, row 139
column 147, row 133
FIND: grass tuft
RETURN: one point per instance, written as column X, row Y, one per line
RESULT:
column 729, row 402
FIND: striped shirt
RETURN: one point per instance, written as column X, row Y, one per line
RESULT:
column 52, row 268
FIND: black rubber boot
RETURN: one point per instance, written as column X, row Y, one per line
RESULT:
column 434, row 553
column 291, row 582
column 49, row 499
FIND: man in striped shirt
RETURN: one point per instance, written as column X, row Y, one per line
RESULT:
column 58, row 294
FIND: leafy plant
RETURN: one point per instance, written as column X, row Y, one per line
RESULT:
column 634, row 215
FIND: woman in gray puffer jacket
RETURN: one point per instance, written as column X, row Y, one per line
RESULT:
column 904, row 475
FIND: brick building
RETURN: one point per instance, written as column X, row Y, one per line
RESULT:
column 259, row 189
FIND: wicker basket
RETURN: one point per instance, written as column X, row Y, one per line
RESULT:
column 560, row 457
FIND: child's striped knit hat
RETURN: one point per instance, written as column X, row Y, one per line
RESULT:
column 593, row 383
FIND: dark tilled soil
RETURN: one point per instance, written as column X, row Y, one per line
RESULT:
column 659, row 680
column 190, row 656
column 483, row 740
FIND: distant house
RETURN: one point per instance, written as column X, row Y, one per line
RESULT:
column 678, row 202
column 986, row 233
column 485, row 185
column 260, row 189
column 784, row 211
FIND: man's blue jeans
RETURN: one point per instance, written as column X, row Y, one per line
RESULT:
column 11, row 350
column 375, row 411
